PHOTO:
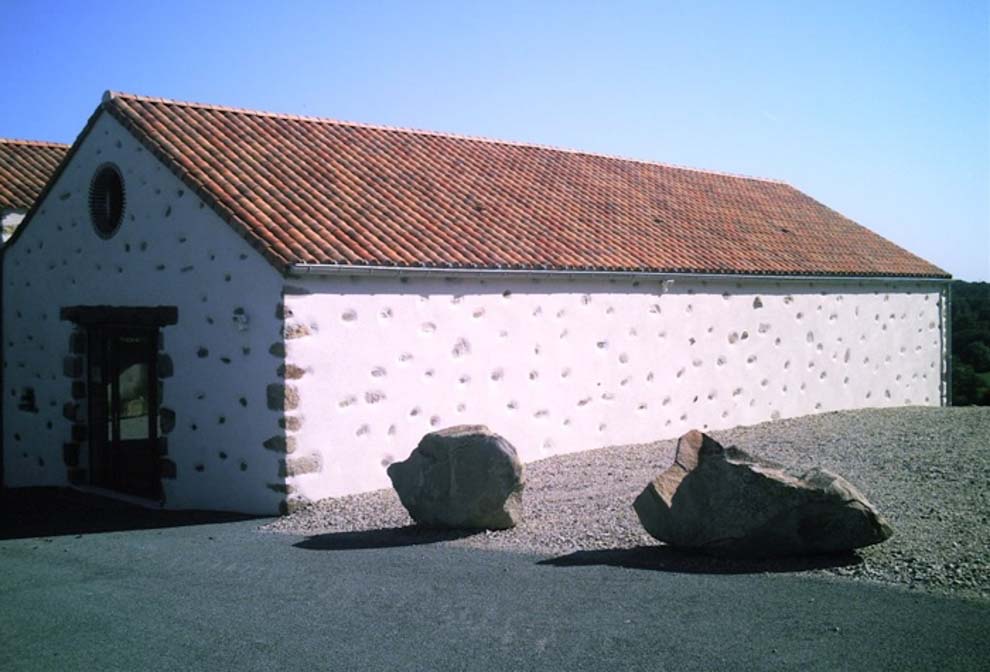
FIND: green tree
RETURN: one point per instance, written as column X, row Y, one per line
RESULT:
column 965, row 384
column 977, row 353
column 970, row 343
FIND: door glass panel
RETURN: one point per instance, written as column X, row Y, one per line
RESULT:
column 109, row 399
column 132, row 383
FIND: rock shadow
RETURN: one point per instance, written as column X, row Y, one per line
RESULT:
column 387, row 537
column 668, row 559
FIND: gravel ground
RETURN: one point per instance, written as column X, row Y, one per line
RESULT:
column 926, row 469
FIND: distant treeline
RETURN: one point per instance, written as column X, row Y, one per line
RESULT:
column 970, row 343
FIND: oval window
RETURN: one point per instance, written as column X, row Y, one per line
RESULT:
column 106, row 200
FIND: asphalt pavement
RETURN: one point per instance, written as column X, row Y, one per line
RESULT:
column 224, row 596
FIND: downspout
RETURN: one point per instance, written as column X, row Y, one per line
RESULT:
column 947, row 345
column 3, row 355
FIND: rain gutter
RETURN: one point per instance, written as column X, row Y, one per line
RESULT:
column 947, row 344
column 301, row 270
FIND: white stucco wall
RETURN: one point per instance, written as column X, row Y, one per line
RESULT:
column 558, row 366
column 169, row 250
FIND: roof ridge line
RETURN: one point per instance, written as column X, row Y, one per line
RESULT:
column 33, row 143
column 110, row 95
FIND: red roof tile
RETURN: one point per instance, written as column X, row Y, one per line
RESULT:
column 316, row 191
column 25, row 167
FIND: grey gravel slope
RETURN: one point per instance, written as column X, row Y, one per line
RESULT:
column 926, row 469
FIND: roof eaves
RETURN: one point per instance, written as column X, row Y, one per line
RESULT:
column 17, row 199
column 938, row 272
column 33, row 143
column 515, row 269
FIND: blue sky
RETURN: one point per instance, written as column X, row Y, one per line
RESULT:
column 879, row 110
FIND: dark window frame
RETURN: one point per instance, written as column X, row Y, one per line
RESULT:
column 107, row 200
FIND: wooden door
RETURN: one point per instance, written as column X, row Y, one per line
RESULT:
column 123, row 409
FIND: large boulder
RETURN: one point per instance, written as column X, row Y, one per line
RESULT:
column 723, row 501
column 464, row 477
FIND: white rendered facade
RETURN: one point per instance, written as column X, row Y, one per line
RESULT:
column 560, row 365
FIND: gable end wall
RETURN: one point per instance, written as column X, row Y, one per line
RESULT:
column 171, row 250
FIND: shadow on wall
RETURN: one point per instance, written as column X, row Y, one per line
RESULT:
column 52, row 512
column 667, row 559
column 388, row 537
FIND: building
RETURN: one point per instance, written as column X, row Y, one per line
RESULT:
column 217, row 308
column 25, row 167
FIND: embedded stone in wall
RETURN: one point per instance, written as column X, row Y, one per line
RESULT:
column 293, row 504
column 166, row 420
column 461, row 477
column 461, row 348
column 290, row 371
column 77, row 342
column 240, row 319
column 281, row 444
column 282, row 397
column 27, row 401
column 80, row 432
column 72, row 366
column 295, row 330
column 70, row 454
column 292, row 423
column 307, row 464
column 165, row 368
column 166, row 468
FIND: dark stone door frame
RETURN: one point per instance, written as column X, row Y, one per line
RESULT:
column 124, row 316
column 106, row 328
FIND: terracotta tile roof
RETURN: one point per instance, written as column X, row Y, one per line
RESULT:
column 25, row 166
column 316, row 191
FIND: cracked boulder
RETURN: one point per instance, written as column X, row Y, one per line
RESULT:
column 464, row 477
column 724, row 501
